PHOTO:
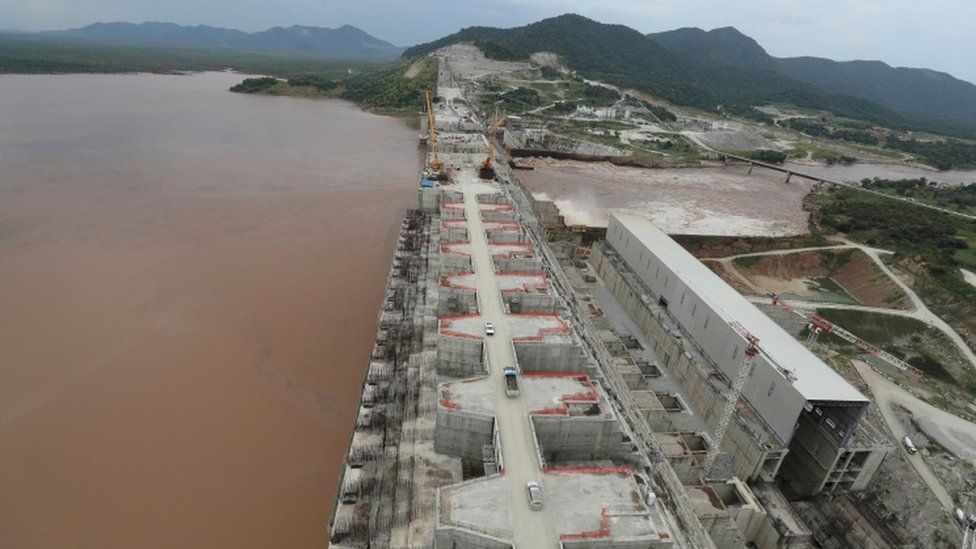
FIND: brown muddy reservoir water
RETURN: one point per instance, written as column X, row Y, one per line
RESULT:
column 189, row 284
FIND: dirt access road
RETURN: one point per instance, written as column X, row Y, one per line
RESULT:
column 954, row 433
column 918, row 310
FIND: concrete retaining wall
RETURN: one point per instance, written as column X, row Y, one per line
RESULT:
column 449, row 537
column 452, row 263
column 549, row 357
column 462, row 434
column 580, row 438
column 610, row 543
column 455, row 301
column 498, row 216
column 506, row 236
column 429, row 199
column 451, row 213
column 518, row 302
column 518, row 264
column 454, row 235
column 459, row 356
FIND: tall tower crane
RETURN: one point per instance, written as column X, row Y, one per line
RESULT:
column 487, row 171
column 732, row 398
column 434, row 166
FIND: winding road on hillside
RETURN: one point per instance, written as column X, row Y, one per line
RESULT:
column 918, row 310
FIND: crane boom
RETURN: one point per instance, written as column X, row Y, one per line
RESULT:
column 435, row 164
column 487, row 172
column 818, row 322
column 732, row 397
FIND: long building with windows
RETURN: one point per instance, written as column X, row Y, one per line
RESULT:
column 800, row 401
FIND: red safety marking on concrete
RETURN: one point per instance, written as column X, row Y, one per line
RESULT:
column 446, row 281
column 602, row 532
column 542, row 284
column 562, row 328
column 589, row 470
column 459, row 223
column 563, row 409
column 557, row 373
column 446, row 330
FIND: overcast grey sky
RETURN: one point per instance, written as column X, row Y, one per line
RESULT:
column 937, row 34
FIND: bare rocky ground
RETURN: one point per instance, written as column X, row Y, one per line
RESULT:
column 853, row 270
column 898, row 496
column 467, row 62
column 956, row 474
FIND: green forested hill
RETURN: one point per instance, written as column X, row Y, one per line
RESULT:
column 922, row 96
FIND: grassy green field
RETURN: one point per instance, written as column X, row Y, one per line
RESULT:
column 930, row 248
column 19, row 54
column 922, row 346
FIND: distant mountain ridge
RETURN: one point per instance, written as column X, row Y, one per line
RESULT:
column 345, row 40
column 916, row 94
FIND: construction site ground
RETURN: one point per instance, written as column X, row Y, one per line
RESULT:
column 846, row 284
column 581, row 504
column 897, row 487
column 906, row 493
column 853, row 277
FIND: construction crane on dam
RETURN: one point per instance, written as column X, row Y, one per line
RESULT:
column 434, row 166
column 748, row 359
column 487, row 171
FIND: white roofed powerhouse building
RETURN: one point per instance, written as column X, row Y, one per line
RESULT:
column 803, row 401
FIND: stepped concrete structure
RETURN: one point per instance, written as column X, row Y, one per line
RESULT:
column 599, row 441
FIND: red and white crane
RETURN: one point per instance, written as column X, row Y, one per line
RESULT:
column 818, row 324
column 732, row 398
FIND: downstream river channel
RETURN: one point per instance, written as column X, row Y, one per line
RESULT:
column 189, row 285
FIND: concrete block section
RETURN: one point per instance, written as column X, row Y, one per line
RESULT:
column 484, row 207
column 654, row 412
column 465, row 420
column 456, row 301
column 505, row 236
column 495, row 249
column 558, row 394
column 530, row 302
column 456, row 229
column 518, row 264
column 717, row 503
column 550, row 356
column 522, row 327
column 453, row 263
column 589, row 507
column 571, row 421
column 458, row 354
column 508, row 281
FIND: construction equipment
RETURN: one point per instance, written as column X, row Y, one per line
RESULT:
column 434, row 167
column 487, row 171
column 820, row 324
column 732, row 398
